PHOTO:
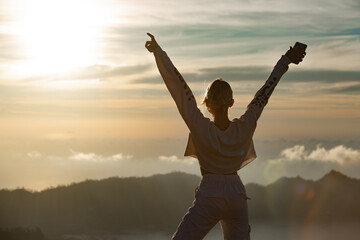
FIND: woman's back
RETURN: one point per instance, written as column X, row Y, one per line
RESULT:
column 218, row 151
column 221, row 151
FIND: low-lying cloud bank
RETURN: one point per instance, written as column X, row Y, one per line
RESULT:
column 339, row 154
column 41, row 168
column 309, row 164
column 175, row 159
column 75, row 156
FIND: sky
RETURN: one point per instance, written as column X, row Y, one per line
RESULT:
column 81, row 97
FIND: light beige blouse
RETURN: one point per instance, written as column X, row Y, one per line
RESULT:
column 218, row 151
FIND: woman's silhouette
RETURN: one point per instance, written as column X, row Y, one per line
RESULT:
column 221, row 146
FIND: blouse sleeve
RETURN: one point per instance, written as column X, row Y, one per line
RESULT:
column 261, row 98
column 179, row 90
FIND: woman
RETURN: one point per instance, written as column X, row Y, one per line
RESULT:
column 221, row 146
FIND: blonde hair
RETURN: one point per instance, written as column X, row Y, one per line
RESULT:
column 218, row 96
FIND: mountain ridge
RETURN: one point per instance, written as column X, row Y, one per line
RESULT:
column 331, row 174
column 159, row 202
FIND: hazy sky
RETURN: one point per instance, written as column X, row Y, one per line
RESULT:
column 80, row 96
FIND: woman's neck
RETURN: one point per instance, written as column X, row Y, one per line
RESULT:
column 221, row 120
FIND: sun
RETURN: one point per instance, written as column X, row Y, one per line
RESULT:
column 58, row 36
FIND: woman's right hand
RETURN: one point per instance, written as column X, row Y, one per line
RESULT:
column 151, row 45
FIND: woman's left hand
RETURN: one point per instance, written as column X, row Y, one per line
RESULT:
column 295, row 55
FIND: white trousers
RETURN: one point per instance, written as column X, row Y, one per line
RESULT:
column 217, row 198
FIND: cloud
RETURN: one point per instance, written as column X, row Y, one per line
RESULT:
column 245, row 12
column 346, row 32
column 175, row 159
column 34, row 154
column 342, row 89
column 105, row 71
column 328, row 76
column 295, row 153
column 306, row 160
column 260, row 73
column 95, row 158
column 82, row 157
column 339, row 154
column 9, row 49
column 95, row 72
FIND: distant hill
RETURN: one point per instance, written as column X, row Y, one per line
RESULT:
column 158, row 203
column 106, row 206
column 333, row 198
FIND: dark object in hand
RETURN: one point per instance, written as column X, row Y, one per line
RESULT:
column 296, row 53
column 302, row 47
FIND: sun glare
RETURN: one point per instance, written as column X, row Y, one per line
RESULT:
column 58, row 36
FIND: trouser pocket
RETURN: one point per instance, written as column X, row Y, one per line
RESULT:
column 243, row 195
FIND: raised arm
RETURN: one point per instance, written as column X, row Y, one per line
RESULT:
column 176, row 85
column 256, row 106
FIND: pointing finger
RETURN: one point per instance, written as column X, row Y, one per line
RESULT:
column 151, row 36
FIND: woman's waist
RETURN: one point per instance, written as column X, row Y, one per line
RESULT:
column 219, row 179
column 203, row 172
column 219, row 165
column 220, row 184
